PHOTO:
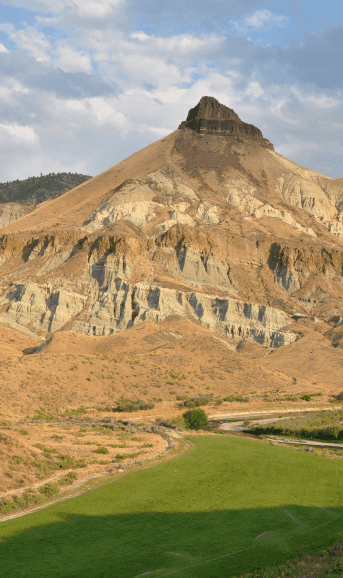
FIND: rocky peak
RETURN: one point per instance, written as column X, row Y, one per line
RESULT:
column 211, row 117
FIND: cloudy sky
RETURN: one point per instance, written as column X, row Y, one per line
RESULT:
column 85, row 83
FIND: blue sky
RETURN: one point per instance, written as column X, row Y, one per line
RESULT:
column 85, row 83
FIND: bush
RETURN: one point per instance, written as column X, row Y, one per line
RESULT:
column 49, row 490
column 129, row 405
column 74, row 412
column 68, row 479
column 236, row 398
column 195, row 419
column 196, row 401
column 101, row 450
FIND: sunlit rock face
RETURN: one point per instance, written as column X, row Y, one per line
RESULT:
column 10, row 212
column 208, row 225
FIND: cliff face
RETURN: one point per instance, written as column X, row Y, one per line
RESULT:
column 222, row 231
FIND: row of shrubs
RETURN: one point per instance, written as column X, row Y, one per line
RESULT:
column 323, row 424
column 31, row 498
column 206, row 399
column 329, row 433
column 129, row 405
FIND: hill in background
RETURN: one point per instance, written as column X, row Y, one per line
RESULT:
column 18, row 198
column 36, row 190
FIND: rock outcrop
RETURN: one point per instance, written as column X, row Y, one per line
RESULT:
column 10, row 212
column 209, row 116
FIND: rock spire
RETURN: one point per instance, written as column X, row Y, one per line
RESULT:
column 211, row 117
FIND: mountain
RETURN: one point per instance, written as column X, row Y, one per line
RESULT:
column 18, row 198
column 208, row 224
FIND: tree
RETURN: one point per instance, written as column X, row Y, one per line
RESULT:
column 195, row 419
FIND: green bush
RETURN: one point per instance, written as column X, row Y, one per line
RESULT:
column 74, row 412
column 129, row 405
column 49, row 490
column 196, row 401
column 195, row 419
column 68, row 479
column 101, row 450
column 104, row 408
column 236, row 398
column 43, row 415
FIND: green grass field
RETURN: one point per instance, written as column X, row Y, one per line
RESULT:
column 232, row 506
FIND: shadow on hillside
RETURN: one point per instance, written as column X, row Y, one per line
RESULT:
column 153, row 544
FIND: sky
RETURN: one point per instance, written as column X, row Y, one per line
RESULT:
column 86, row 83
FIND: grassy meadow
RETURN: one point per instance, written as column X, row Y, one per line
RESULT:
column 233, row 505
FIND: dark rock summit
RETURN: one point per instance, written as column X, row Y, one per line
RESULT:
column 211, row 117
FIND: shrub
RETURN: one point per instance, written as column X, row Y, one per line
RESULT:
column 236, row 398
column 104, row 408
column 196, row 401
column 340, row 395
column 129, row 405
column 290, row 397
column 43, row 415
column 195, row 419
column 74, row 412
column 66, row 461
column 120, row 457
column 101, row 450
column 68, row 479
column 49, row 490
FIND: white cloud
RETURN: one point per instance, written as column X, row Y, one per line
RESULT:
column 10, row 88
column 112, row 43
column 72, row 60
column 140, row 36
column 262, row 17
column 98, row 9
column 290, row 146
column 3, row 48
column 94, row 8
column 47, row 21
column 33, row 42
column 254, row 89
column 319, row 100
column 148, row 69
column 185, row 45
column 105, row 112
column 24, row 133
column 7, row 28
